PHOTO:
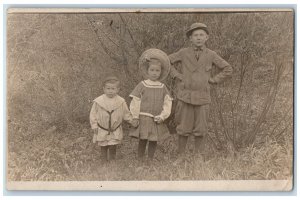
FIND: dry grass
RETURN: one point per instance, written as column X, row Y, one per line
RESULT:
column 55, row 64
column 56, row 156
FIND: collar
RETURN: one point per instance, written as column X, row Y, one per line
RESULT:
column 152, row 84
column 202, row 48
column 149, row 82
column 109, row 103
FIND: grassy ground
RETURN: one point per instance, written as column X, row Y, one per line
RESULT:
column 69, row 155
column 55, row 64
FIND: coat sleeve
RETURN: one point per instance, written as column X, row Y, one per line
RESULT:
column 224, row 66
column 93, row 116
column 167, row 107
column 127, row 116
column 135, row 106
column 135, row 103
column 174, row 58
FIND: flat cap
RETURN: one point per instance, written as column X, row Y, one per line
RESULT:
column 110, row 78
column 196, row 26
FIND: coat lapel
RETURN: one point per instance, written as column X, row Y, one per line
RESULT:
column 194, row 63
column 191, row 56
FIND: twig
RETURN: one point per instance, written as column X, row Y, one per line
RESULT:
column 216, row 129
column 281, row 119
column 268, row 102
column 135, row 44
column 116, row 34
column 211, row 140
column 221, row 115
column 233, row 122
column 242, row 75
column 112, row 55
column 282, row 131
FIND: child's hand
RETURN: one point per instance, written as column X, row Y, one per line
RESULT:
column 158, row 119
column 135, row 123
column 211, row 81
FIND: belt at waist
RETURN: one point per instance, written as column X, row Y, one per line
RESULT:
column 109, row 130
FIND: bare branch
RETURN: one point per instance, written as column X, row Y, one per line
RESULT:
column 136, row 46
column 270, row 99
column 281, row 119
column 111, row 54
column 220, row 114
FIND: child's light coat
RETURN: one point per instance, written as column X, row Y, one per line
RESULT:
column 99, row 116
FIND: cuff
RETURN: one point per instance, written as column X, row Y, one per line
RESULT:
column 161, row 116
column 212, row 81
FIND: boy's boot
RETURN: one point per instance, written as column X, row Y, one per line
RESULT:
column 182, row 140
column 112, row 152
column 199, row 146
column 141, row 148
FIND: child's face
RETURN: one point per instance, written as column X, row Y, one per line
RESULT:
column 154, row 72
column 199, row 37
column 111, row 89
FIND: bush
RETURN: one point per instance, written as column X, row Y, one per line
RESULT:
column 56, row 62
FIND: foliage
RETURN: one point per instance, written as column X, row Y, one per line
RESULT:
column 56, row 63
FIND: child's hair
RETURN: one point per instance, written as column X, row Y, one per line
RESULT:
column 112, row 80
column 153, row 61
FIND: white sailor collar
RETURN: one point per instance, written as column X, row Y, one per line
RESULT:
column 152, row 84
column 105, row 102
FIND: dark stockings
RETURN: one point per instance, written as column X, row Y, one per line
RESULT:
column 142, row 147
column 199, row 144
column 151, row 149
column 111, row 149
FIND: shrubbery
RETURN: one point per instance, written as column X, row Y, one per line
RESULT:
column 55, row 64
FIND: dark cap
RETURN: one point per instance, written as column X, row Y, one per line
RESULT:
column 196, row 26
column 110, row 79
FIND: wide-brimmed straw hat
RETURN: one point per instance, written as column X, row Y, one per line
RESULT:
column 156, row 54
column 196, row 26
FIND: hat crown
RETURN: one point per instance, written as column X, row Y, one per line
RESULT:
column 154, row 61
column 195, row 26
column 156, row 56
column 198, row 25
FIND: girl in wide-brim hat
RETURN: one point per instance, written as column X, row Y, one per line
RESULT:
column 151, row 102
column 154, row 55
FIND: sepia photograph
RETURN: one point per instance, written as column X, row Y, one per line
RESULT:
column 150, row 99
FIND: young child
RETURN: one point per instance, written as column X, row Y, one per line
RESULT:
column 151, row 102
column 194, row 88
column 106, row 117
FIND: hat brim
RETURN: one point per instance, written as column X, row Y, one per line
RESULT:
column 155, row 54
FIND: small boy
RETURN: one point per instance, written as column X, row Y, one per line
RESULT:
column 194, row 88
column 106, row 117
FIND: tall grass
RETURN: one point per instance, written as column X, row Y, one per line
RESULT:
column 56, row 63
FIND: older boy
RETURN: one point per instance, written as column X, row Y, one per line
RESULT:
column 194, row 89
